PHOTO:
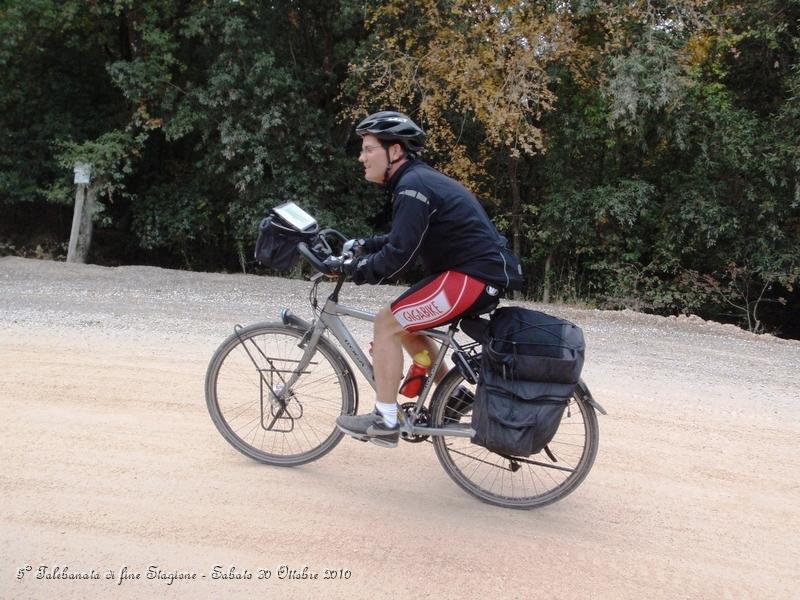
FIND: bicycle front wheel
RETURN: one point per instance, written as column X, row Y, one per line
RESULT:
column 259, row 414
column 522, row 483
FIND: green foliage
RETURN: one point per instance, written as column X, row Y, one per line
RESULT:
column 702, row 170
column 111, row 157
column 196, row 117
column 53, row 87
column 642, row 154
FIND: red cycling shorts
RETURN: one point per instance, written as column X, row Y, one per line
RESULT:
column 442, row 298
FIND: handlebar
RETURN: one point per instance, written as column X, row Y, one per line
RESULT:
column 321, row 246
column 338, row 234
column 304, row 250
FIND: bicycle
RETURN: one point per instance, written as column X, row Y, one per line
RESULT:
column 274, row 390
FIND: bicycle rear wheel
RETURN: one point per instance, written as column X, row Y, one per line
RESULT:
column 521, row 482
column 257, row 414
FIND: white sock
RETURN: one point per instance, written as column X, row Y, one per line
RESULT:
column 388, row 412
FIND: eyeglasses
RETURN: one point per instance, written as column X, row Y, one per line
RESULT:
column 367, row 150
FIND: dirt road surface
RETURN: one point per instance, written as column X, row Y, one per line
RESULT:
column 110, row 463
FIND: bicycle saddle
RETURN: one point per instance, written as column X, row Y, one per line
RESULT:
column 477, row 327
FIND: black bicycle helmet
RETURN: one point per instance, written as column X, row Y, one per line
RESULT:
column 391, row 126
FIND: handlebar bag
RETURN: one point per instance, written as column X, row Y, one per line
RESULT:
column 276, row 246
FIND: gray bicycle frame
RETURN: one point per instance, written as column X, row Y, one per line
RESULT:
column 329, row 318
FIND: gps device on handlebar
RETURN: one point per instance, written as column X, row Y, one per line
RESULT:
column 295, row 217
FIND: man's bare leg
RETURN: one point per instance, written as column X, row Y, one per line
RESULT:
column 387, row 359
column 387, row 356
column 381, row 427
column 416, row 342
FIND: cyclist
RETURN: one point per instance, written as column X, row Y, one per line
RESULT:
column 438, row 220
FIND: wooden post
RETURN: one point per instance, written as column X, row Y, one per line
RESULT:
column 81, row 235
column 77, row 216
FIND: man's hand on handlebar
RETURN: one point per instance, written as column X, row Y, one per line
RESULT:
column 334, row 266
column 354, row 248
column 338, row 265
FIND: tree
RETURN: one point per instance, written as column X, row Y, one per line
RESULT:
column 639, row 153
column 469, row 71
column 197, row 116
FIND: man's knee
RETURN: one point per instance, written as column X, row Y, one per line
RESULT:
column 386, row 323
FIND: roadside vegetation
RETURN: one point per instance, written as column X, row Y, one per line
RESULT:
column 640, row 155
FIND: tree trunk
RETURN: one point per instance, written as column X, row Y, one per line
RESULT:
column 516, row 220
column 548, row 265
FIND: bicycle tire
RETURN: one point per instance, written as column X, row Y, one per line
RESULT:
column 243, row 408
column 489, row 476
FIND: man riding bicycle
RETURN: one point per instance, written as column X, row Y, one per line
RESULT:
column 438, row 220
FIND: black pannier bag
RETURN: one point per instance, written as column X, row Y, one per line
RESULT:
column 276, row 246
column 530, row 367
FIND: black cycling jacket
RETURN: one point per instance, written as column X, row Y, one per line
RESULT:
column 437, row 219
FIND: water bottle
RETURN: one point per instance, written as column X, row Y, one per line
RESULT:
column 417, row 374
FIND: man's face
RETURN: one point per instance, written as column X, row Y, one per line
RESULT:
column 373, row 157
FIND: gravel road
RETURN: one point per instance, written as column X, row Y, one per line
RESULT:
column 111, row 465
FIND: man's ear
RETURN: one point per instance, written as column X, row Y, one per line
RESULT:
column 397, row 152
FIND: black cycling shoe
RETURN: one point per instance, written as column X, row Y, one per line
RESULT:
column 459, row 403
column 370, row 427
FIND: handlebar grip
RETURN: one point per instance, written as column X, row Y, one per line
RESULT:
column 303, row 249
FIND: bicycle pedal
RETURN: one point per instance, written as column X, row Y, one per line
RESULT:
column 382, row 443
